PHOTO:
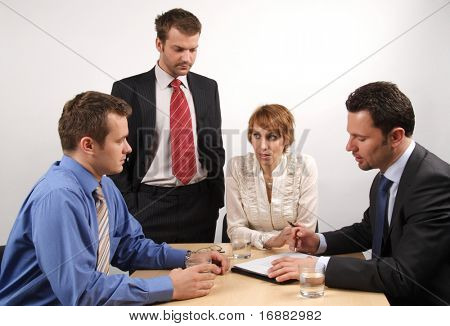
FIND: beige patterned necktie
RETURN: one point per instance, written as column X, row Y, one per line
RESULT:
column 103, row 232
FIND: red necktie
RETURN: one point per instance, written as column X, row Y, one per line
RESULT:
column 184, row 165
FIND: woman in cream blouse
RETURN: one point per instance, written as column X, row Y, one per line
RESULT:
column 271, row 188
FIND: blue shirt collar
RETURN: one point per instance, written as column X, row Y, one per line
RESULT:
column 395, row 171
column 87, row 181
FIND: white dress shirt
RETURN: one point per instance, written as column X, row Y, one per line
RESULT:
column 294, row 196
column 393, row 173
column 160, row 171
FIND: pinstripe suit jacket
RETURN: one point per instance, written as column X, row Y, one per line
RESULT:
column 140, row 92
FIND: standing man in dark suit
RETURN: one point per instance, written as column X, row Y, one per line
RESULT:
column 407, row 225
column 173, row 182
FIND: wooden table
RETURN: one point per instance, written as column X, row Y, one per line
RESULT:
column 234, row 289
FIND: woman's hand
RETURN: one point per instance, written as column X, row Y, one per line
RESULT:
column 279, row 240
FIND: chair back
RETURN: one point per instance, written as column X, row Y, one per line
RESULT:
column 2, row 250
column 225, row 238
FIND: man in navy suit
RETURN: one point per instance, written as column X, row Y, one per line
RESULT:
column 407, row 225
column 173, row 182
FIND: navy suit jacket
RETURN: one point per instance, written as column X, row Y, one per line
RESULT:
column 414, row 267
column 140, row 93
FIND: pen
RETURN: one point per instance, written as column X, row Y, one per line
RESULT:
column 293, row 225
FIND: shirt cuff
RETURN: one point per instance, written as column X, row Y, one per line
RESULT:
column 322, row 245
column 175, row 257
column 159, row 289
column 323, row 260
column 259, row 240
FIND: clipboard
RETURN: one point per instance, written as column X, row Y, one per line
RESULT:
column 257, row 268
column 262, row 277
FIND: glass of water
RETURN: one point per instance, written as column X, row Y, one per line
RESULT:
column 312, row 281
column 241, row 245
column 198, row 258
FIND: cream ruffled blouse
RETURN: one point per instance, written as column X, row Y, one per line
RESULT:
column 294, row 196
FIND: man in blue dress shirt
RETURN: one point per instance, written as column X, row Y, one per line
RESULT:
column 52, row 253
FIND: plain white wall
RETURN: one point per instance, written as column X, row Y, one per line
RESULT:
column 307, row 55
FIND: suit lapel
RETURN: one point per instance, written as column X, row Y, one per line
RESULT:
column 373, row 201
column 414, row 161
column 146, row 95
column 199, row 96
column 146, row 92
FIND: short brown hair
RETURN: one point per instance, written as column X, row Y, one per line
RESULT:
column 387, row 105
column 86, row 115
column 179, row 18
column 273, row 117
